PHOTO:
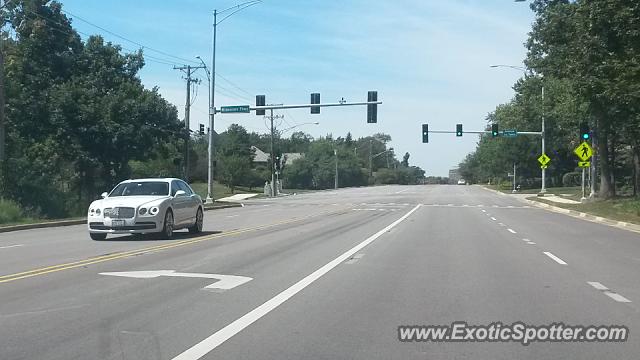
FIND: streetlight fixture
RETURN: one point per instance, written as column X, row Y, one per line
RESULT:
column 212, row 92
column 543, row 188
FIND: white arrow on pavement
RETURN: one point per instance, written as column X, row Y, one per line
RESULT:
column 225, row 282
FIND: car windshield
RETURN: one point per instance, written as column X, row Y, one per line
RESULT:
column 151, row 188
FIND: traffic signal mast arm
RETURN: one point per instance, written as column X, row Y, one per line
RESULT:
column 482, row 132
column 284, row 106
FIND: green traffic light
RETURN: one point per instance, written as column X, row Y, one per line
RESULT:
column 585, row 136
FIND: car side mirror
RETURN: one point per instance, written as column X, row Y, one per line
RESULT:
column 104, row 195
column 180, row 193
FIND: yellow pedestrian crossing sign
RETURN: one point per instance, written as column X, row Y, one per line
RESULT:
column 544, row 159
column 584, row 164
column 583, row 151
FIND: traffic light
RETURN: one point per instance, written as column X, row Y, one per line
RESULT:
column 372, row 109
column 315, row 99
column 425, row 133
column 458, row 129
column 201, row 129
column 494, row 130
column 585, row 134
column 260, row 101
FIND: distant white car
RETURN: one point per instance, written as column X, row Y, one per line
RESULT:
column 462, row 182
column 146, row 206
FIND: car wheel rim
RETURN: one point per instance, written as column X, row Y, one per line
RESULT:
column 199, row 220
column 168, row 224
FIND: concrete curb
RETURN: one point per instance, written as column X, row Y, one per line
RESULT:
column 585, row 216
column 48, row 224
column 60, row 223
column 577, row 214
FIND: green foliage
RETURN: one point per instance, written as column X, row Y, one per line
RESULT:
column 10, row 212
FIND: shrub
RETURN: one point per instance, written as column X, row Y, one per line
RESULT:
column 10, row 212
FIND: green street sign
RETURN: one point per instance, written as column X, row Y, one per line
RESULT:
column 234, row 109
column 509, row 133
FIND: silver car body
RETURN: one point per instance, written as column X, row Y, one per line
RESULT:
column 135, row 214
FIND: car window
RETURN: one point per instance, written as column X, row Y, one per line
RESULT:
column 186, row 188
column 174, row 187
column 141, row 188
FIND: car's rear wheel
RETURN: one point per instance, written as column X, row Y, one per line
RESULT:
column 98, row 236
column 197, row 226
column 167, row 228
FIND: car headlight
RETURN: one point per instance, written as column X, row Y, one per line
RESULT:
column 97, row 211
column 154, row 210
column 142, row 211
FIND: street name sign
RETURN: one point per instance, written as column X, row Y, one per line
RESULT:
column 509, row 133
column 237, row 109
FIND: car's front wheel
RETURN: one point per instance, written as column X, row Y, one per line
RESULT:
column 167, row 228
column 97, row 236
column 197, row 226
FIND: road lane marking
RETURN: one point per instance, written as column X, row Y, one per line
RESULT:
column 555, row 258
column 219, row 337
column 531, row 243
column 146, row 250
column 617, row 297
column 502, row 224
column 526, row 240
column 401, row 191
column 511, row 231
column 494, row 219
column 225, row 282
column 605, row 290
column 484, row 211
column 10, row 246
column 597, row 285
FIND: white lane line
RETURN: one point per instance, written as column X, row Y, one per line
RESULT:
column 494, row 219
column 617, row 297
column 605, row 290
column 401, row 191
column 501, row 224
column 511, row 231
column 216, row 339
column 10, row 246
column 531, row 243
column 555, row 258
column 526, row 240
column 232, row 216
column 597, row 285
column 484, row 211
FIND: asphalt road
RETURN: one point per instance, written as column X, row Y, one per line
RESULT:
column 332, row 276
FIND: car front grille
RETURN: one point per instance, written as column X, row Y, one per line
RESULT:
column 119, row 212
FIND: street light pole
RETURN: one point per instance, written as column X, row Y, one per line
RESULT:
column 212, row 92
column 335, row 153
column 212, row 112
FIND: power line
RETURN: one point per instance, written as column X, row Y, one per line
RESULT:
column 128, row 40
column 147, row 57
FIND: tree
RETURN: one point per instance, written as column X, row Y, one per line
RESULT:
column 405, row 159
column 235, row 156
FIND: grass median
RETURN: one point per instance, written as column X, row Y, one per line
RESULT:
column 619, row 209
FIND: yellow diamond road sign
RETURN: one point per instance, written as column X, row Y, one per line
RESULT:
column 544, row 159
column 584, row 164
column 583, row 151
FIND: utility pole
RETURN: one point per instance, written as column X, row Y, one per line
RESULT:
column 370, row 158
column 336, row 177
column 2, row 101
column 272, row 117
column 189, row 70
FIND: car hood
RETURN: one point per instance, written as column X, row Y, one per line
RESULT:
column 129, row 201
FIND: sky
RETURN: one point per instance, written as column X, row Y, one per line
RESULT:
column 429, row 61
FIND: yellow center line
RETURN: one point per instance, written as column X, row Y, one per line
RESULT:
column 120, row 255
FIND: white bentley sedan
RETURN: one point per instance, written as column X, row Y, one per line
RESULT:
column 146, row 206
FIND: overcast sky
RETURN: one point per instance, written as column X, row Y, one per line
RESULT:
column 428, row 60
